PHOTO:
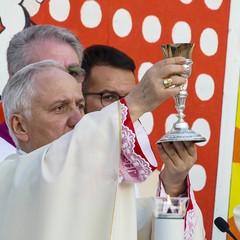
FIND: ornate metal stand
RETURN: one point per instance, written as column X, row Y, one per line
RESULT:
column 180, row 130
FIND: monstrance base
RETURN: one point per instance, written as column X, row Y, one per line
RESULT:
column 179, row 135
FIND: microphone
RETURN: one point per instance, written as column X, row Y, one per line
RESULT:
column 223, row 226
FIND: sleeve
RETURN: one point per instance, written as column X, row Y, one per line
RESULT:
column 193, row 218
column 66, row 188
column 137, row 158
column 138, row 162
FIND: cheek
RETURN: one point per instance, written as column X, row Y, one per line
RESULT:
column 46, row 132
column 58, row 125
column 93, row 104
column 52, row 131
column 48, row 128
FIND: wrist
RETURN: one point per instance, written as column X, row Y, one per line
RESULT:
column 174, row 189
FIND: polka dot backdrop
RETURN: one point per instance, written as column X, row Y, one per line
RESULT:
column 139, row 29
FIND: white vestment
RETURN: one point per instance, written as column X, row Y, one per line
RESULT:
column 5, row 149
column 70, row 188
column 79, row 187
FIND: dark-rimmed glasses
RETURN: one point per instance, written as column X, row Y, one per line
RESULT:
column 106, row 97
column 77, row 72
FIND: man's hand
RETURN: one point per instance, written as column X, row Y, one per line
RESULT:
column 150, row 92
column 178, row 158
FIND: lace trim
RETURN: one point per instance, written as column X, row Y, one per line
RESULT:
column 190, row 226
column 134, row 167
column 191, row 219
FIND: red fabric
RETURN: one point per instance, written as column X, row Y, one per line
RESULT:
column 128, row 122
column 1, row 113
column 4, row 133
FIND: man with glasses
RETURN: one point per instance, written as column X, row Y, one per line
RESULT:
column 106, row 97
column 109, row 77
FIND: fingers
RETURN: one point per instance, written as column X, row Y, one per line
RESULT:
column 187, row 152
column 175, row 60
column 163, row 153
column 179, row 153
column 171, row 154
column 172, row 66
column 173, row 176
column 176, row 81
column 178, row 158
column 191, row 148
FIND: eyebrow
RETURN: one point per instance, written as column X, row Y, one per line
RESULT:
column 57, row 102
column 73, row 65
column 81, row 100
column 66, row 101
column 108, row 91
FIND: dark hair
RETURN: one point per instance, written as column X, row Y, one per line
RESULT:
column 103, row 55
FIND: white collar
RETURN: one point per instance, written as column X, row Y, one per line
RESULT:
column 20, row 152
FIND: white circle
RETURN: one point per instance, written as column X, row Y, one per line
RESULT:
column 171, row 119
column 59, row 10
column 91, row 14
column 209, row 41
column 122, row 22
column 143, row 68
column 147, row 121
column 213, row 4
column 13, row 24
column 151, row 29
column 186, row 1
column 204, row 87
column 198, row 177
column 32, row 6
column 202, row 127
column 181, row 32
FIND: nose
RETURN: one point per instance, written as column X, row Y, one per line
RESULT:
column 75, row 117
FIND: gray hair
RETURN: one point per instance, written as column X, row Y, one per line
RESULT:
column 19, row 54
column 19, row 90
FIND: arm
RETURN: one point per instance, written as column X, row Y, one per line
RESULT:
column 178, row 158
column 146, row 96
column 137, row 158
column 71, row 180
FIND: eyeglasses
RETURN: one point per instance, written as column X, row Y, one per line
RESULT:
column 106, row 97
column 77, row 72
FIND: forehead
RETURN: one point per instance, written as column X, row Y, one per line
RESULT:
column 108, row 75
column 42, row 49
column 53, row 82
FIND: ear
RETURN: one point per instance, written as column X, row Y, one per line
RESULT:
column 18, row 126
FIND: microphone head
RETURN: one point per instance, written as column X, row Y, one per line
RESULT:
column 221, row 224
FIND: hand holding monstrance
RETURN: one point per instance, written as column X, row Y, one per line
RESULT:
column 180, row 130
